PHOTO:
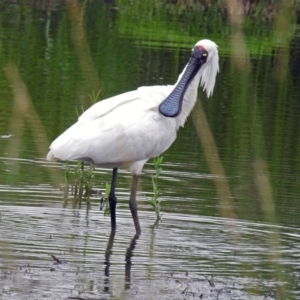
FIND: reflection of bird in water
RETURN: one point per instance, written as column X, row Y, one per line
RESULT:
column 128, row 257
column 128, row 129
column 129, row 254
column 107, row 259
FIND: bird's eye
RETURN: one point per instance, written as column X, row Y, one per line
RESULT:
column 204, row 55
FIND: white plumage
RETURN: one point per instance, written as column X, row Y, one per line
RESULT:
column 128, row 129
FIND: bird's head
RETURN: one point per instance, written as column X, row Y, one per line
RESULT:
column 206, row 52
column 203, row 66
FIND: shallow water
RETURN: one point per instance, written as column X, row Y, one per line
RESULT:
column 186, row 255
column 179, row 256
column 230, row 225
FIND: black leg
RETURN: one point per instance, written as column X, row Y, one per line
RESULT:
column 132, row 204
column 113, row 200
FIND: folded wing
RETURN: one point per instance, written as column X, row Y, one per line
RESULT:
column 119, row 130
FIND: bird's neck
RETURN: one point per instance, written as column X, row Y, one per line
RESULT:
column 189, row 99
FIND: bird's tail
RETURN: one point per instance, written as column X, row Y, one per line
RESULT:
column 50, row 156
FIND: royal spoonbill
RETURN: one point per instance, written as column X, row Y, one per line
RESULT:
column 128, row 129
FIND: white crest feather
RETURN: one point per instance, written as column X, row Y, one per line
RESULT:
column 210, row 68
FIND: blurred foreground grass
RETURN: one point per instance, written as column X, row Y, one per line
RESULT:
column 172, row 27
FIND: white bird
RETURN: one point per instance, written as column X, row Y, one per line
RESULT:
column 128, row 129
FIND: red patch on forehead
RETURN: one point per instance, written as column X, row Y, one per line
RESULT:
column 201, row 48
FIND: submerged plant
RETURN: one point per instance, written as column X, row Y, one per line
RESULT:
column 106, row 197
column 89, row 175
column 155, row 200
column 66, row 184
column 81, row 181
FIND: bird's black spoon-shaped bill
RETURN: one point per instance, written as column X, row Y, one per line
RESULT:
column 171, row 106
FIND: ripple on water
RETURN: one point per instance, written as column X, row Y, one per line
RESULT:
column 182, row 255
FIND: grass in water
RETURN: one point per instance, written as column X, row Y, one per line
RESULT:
column 79, row 183
column 155, row 200
column 105, row 200
column 80, row 179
